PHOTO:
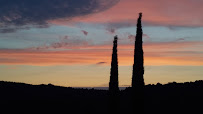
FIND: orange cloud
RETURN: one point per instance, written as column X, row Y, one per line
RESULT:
column 167, row 53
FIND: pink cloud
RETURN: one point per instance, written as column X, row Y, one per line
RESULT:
column 155, row 12
column 156, row 53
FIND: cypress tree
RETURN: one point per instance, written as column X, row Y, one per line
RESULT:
column 138, row 72
column 113, row 84
column 113, row 105
column 138, row 66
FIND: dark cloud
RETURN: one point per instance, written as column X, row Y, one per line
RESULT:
column 38, row 12
column 111, row 30
column 181, row 39
column 101, row 63
column 146, row 36
column 65, row 42
column 10, row 29
column 84, row 32
column 132, row 37
column 7, row 30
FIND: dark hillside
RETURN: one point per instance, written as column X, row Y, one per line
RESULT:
column 20, row 98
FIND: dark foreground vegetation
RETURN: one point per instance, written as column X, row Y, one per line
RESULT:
column 173, row 98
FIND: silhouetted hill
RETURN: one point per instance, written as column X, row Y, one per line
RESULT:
column 171, row 98
column 20, row 98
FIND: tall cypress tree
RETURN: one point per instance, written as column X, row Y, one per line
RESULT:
column 138, row 66
column 113, row 84
column 138, row 72
column 113, row 105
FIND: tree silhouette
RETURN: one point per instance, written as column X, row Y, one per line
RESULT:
column 138, row 70
column 138, row 67
column 113, row 84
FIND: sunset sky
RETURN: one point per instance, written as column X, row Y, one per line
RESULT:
column 69, row 42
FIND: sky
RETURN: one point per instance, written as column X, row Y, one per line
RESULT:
column 69, row 42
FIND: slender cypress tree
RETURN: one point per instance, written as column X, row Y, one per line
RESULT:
column 138, row 72
column 113, row 105
column 113, row 84
column 138, row 66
